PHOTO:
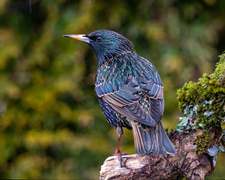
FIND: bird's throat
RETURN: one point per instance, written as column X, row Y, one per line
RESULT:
column 109, row 57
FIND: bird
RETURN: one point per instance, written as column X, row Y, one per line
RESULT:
column 130, row 92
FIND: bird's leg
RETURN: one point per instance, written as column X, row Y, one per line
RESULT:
column 118, row 152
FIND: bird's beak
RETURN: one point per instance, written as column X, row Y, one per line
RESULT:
column 80, row 37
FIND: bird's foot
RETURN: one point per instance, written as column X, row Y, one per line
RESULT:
column 119, row 154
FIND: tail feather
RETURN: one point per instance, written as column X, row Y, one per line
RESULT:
column 151, row 139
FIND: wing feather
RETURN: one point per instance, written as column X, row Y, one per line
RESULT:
column 138, row 97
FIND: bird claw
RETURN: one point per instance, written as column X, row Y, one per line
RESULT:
column 119, row 154
column 120, row 159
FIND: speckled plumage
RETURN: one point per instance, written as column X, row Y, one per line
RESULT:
column 130, row 91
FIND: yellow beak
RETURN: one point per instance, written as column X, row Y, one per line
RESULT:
column 80, row 37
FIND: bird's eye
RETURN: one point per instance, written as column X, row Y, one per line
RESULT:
column 99, row 39
column 95, row 38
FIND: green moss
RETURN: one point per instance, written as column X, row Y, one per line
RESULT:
column 220, row 68
column 223, row 126
column 208, row 95
column 202, row 142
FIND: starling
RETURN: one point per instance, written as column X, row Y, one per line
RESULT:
column 130, row 92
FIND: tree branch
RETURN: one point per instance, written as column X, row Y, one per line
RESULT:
column 187, row 162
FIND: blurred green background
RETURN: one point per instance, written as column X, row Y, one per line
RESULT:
column 51, row 125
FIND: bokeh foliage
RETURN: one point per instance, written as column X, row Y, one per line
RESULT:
column 51, row 125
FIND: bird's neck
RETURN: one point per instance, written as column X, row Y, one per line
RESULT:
column 103, row 59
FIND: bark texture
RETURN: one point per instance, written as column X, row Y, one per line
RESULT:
column 187, row 162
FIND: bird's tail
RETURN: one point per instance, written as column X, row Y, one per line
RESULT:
column 151, row 139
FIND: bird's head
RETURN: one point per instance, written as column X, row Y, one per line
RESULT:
column 105, row 44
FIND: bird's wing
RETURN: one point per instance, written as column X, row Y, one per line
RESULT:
column 125, row 97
